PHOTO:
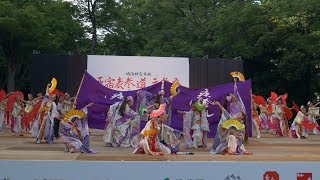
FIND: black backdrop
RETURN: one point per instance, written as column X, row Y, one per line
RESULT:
column 68, row 69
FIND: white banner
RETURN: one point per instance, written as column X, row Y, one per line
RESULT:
column 124, row 73
column 121, row 170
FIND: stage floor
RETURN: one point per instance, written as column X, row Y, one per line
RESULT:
column 269, row 148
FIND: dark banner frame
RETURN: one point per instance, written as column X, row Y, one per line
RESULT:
column 68, row 69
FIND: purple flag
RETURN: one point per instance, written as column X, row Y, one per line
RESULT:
column 93, row 91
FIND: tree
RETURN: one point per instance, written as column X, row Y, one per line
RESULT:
column 26, row 26
column 293, row 41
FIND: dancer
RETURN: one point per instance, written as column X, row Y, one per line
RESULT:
column 151, row 102
column 2, row 112
column 17, row 114
column 60, row 108
column 219, row 133
column 280, row 113
column 122, row 124
column 3, row 107
column 297, row 130
column 273, row 121
column 28, row 108
column 232, row 139
column 196, row 121
column 313, row 111
column 264, row 117
column 74, row 130
column 256, row 121
column 236, row 109
column 157, row 138
column 48, row 112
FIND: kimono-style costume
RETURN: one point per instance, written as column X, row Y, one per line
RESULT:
column 313, row 120
column 280, row 115
column 47, row 114
column 146, row 99
column 256, row 121
column 230, row 144
column 315, row 130
column 297, row 130
column 226, row 140
column 264, row 117
column 56, row 125
column 219, row 134
column 36, row 122
column 2, row 112
column 119, row 130
column 196, row 127
column 75, row 135
column 27, row 109
column 16, row 118
column 151, row 143
column 273, row 122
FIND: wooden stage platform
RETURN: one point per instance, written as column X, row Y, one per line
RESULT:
column 269, row 148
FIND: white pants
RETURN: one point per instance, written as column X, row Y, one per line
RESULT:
column 17, row 126
column 2, row 113
column 255, row 129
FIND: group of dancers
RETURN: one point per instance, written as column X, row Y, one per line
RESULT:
column 273, row 115
column 55, row 116
column 47, row 118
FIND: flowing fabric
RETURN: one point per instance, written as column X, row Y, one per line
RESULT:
column 69, row 137
column 314, row 130
column 77, row 135
column 264, row 118
column 16, row 118
column 231, row 143
column 220, row 134
column 273, row 122
column 296, row 129
column 46, row 120
column 150, row 142
column 121, row 129
column 280, row 114
column 187, row 124
column 145, row 99
column 256, row 123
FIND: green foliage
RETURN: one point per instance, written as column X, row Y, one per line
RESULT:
column 279, row 40
column 45, row 26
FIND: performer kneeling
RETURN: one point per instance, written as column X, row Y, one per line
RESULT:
column 231, row 139
column 74, row 131
column 156, row 137
column 122, row 124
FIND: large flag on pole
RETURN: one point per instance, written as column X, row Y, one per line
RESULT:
column 91, row 90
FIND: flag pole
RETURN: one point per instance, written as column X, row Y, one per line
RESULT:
column 79, row 87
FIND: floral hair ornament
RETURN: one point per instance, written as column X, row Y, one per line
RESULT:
column 160, row 111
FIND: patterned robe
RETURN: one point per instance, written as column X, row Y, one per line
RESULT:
column 119, row 130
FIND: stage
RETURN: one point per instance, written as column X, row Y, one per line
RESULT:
column 269, row 148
